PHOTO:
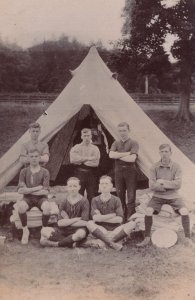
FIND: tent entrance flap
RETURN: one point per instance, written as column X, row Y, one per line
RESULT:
column 62, row 142
column 60, row 145
column 59, row 163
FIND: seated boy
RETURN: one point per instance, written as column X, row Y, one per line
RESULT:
column 107, row 214
column 165, row 181
column 34, row 185
column 73, row 217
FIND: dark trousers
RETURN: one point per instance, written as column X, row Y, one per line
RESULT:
column 125, row 180
column 89, row 182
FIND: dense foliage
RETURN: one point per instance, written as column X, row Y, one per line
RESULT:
column 46, row 67
column 146, row 26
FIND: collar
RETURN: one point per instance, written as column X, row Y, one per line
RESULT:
column 160, row 164
column 36, row 170
column 125, row 140
column 34, row 142
column 105, row 198
column 86, row 145
column 75, row 200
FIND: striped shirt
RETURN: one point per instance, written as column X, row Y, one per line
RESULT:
column 78, row 209
column 126, row 146
column 172, row 175
column 29, row 179
column 113, row 205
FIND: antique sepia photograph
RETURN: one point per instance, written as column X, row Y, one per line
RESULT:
column 97, row 149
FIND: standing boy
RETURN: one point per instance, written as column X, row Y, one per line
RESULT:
column 107, row 214
column 86, row 156
column 125, row 152
column 34, row 143
column 34, row 185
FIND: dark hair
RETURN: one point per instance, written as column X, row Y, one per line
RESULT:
column 34, row 150
column 86, row 130
column 35, row 125
column 162, row 146
column 122, row 124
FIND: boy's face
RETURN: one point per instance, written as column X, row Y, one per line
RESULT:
column 73, row 187
column 34, row 133
column 105, row 185
column 34, row 158
column 123, row 132
column 86, row 137
column 165, row 153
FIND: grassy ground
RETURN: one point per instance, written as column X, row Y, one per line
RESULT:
column 28, row 272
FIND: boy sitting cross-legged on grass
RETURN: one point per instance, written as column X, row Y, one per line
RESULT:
column 73, row 217
column 33, row 184
column 107, row 214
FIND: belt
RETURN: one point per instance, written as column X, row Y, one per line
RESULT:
column 83, row 170
column 86, row 168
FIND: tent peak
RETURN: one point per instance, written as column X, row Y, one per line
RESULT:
column 93, row 50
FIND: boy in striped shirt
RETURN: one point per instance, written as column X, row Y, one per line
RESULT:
column 107, row 214
column 73, row 217
column 34, row 185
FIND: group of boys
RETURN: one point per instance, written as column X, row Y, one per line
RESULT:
column 105, row 216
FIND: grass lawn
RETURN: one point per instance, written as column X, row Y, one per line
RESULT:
column 30, row 272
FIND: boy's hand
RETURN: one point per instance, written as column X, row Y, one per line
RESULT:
column 39, row 187
column 64, row 215
column 161, row 181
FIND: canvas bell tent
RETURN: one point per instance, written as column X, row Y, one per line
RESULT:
column 94, row 86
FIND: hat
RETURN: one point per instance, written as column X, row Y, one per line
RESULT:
column 164, row 238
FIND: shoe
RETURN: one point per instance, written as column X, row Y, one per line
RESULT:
column 116, row 246
column 47, row 243
column 144, row 243
column 189, row 243
column 25, row 236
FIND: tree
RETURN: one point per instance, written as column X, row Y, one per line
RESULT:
column 183, row 25
column 146, row 26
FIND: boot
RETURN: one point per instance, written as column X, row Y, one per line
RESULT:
column 66, row 242
column 119, row 236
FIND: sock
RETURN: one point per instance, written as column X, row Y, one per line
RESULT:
column 100, row 235
column 66, row 242
column 119, row 236
column 130, row 210
column 45, row 219
column 148, row 225
column 23, row 219
column 185, row 220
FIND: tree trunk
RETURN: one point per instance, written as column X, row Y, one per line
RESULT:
column 146, row 84
column 184, row 114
